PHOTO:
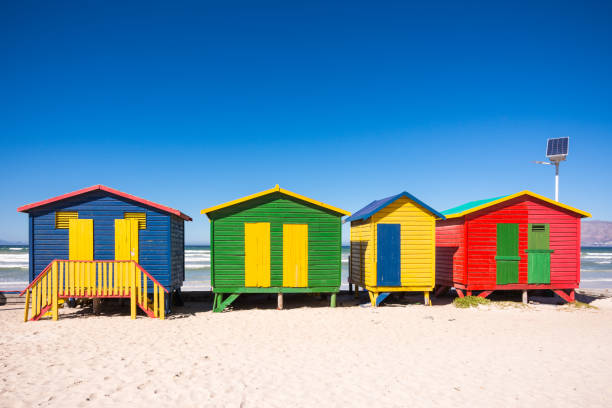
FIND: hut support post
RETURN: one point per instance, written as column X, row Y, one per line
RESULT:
column 459, row 292
column 525, row 297
column 568, row 298
column 356, row 295
column 221, row 305
column 426, row 300
column 372, row 298
column 279, row 301
column 215, row 296
column 333, row 300
column 485, row 293
column 350, row 288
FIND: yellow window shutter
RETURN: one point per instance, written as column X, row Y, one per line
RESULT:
column 139, row 216
column 62, row 218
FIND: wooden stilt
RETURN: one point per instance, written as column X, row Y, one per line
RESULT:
column 373, row 297
column 459, row 292
column 350, row 288
column 572, row 295
column 96, row 305
column 568, row 298
column 525, row 297
column 222, row 304
column 279, row 300
column 469, row 293
column 427, row 301
column 356, row 295
column 332, row 302
column 485, row 293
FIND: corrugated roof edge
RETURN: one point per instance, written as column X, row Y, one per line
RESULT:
column 491, row 202
column 164, row 208
column 386, row 201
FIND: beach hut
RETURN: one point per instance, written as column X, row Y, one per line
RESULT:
column 522, row 241
column 99, row 242
column 275, row 241
column 393, row 247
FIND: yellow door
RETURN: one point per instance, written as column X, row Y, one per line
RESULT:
column 126, row 239
column 80, row 240
column 257, row 254
column 295, row 255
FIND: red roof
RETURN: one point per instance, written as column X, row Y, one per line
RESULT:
column 169, row 210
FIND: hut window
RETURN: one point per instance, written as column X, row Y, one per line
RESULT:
column 141, row 217
column 538, row 227
column 62, row 218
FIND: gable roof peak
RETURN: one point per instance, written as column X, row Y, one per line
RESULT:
column 32, row 206
column 377, row 205
column 478, row 205
column 275, row 189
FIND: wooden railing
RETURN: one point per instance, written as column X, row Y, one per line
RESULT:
column 63, row 279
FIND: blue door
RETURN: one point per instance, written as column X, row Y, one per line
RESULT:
column 388, row 255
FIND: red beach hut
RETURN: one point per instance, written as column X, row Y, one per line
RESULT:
column 523, row 241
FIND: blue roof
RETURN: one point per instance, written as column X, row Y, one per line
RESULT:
column 375, row 206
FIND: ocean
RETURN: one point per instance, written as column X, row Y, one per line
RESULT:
column 596, row 267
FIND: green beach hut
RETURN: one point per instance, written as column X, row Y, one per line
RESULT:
column 275, row 241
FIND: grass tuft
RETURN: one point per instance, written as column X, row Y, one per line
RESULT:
column 581, row 305
column 470, row 301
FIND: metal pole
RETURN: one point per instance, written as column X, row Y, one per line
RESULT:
column 556, row 181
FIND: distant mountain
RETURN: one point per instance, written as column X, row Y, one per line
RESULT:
column 596, row 233
column 3, row 242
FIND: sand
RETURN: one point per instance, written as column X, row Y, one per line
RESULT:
column 311, row 355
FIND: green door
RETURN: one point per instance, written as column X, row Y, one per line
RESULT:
column 538, row 254
column 507, row 257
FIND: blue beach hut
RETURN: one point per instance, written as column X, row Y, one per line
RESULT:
column 99, row 233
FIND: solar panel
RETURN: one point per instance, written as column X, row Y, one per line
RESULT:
column 557, row 147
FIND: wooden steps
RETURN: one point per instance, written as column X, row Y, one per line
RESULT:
column 64, row 279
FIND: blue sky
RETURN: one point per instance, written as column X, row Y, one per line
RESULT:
column 192, row 104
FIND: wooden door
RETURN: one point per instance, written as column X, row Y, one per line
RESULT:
column 257, row 254
column 507, row 258
column 295, row 255
column 538, row 253
column 126, row 239
column 388, row 254
column 80, row 240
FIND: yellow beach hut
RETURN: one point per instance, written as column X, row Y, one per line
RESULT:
column 393, row 247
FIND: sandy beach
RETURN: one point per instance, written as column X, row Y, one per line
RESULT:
column 403, row 354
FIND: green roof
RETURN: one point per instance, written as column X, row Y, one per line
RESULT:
column 472, row 204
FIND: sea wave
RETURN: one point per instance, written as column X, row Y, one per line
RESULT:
column 14, row 260
column 12, row 266
column 596, row 256
column 197, row 266
column 197, row 258
column 17, row 249
column 597, row 280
